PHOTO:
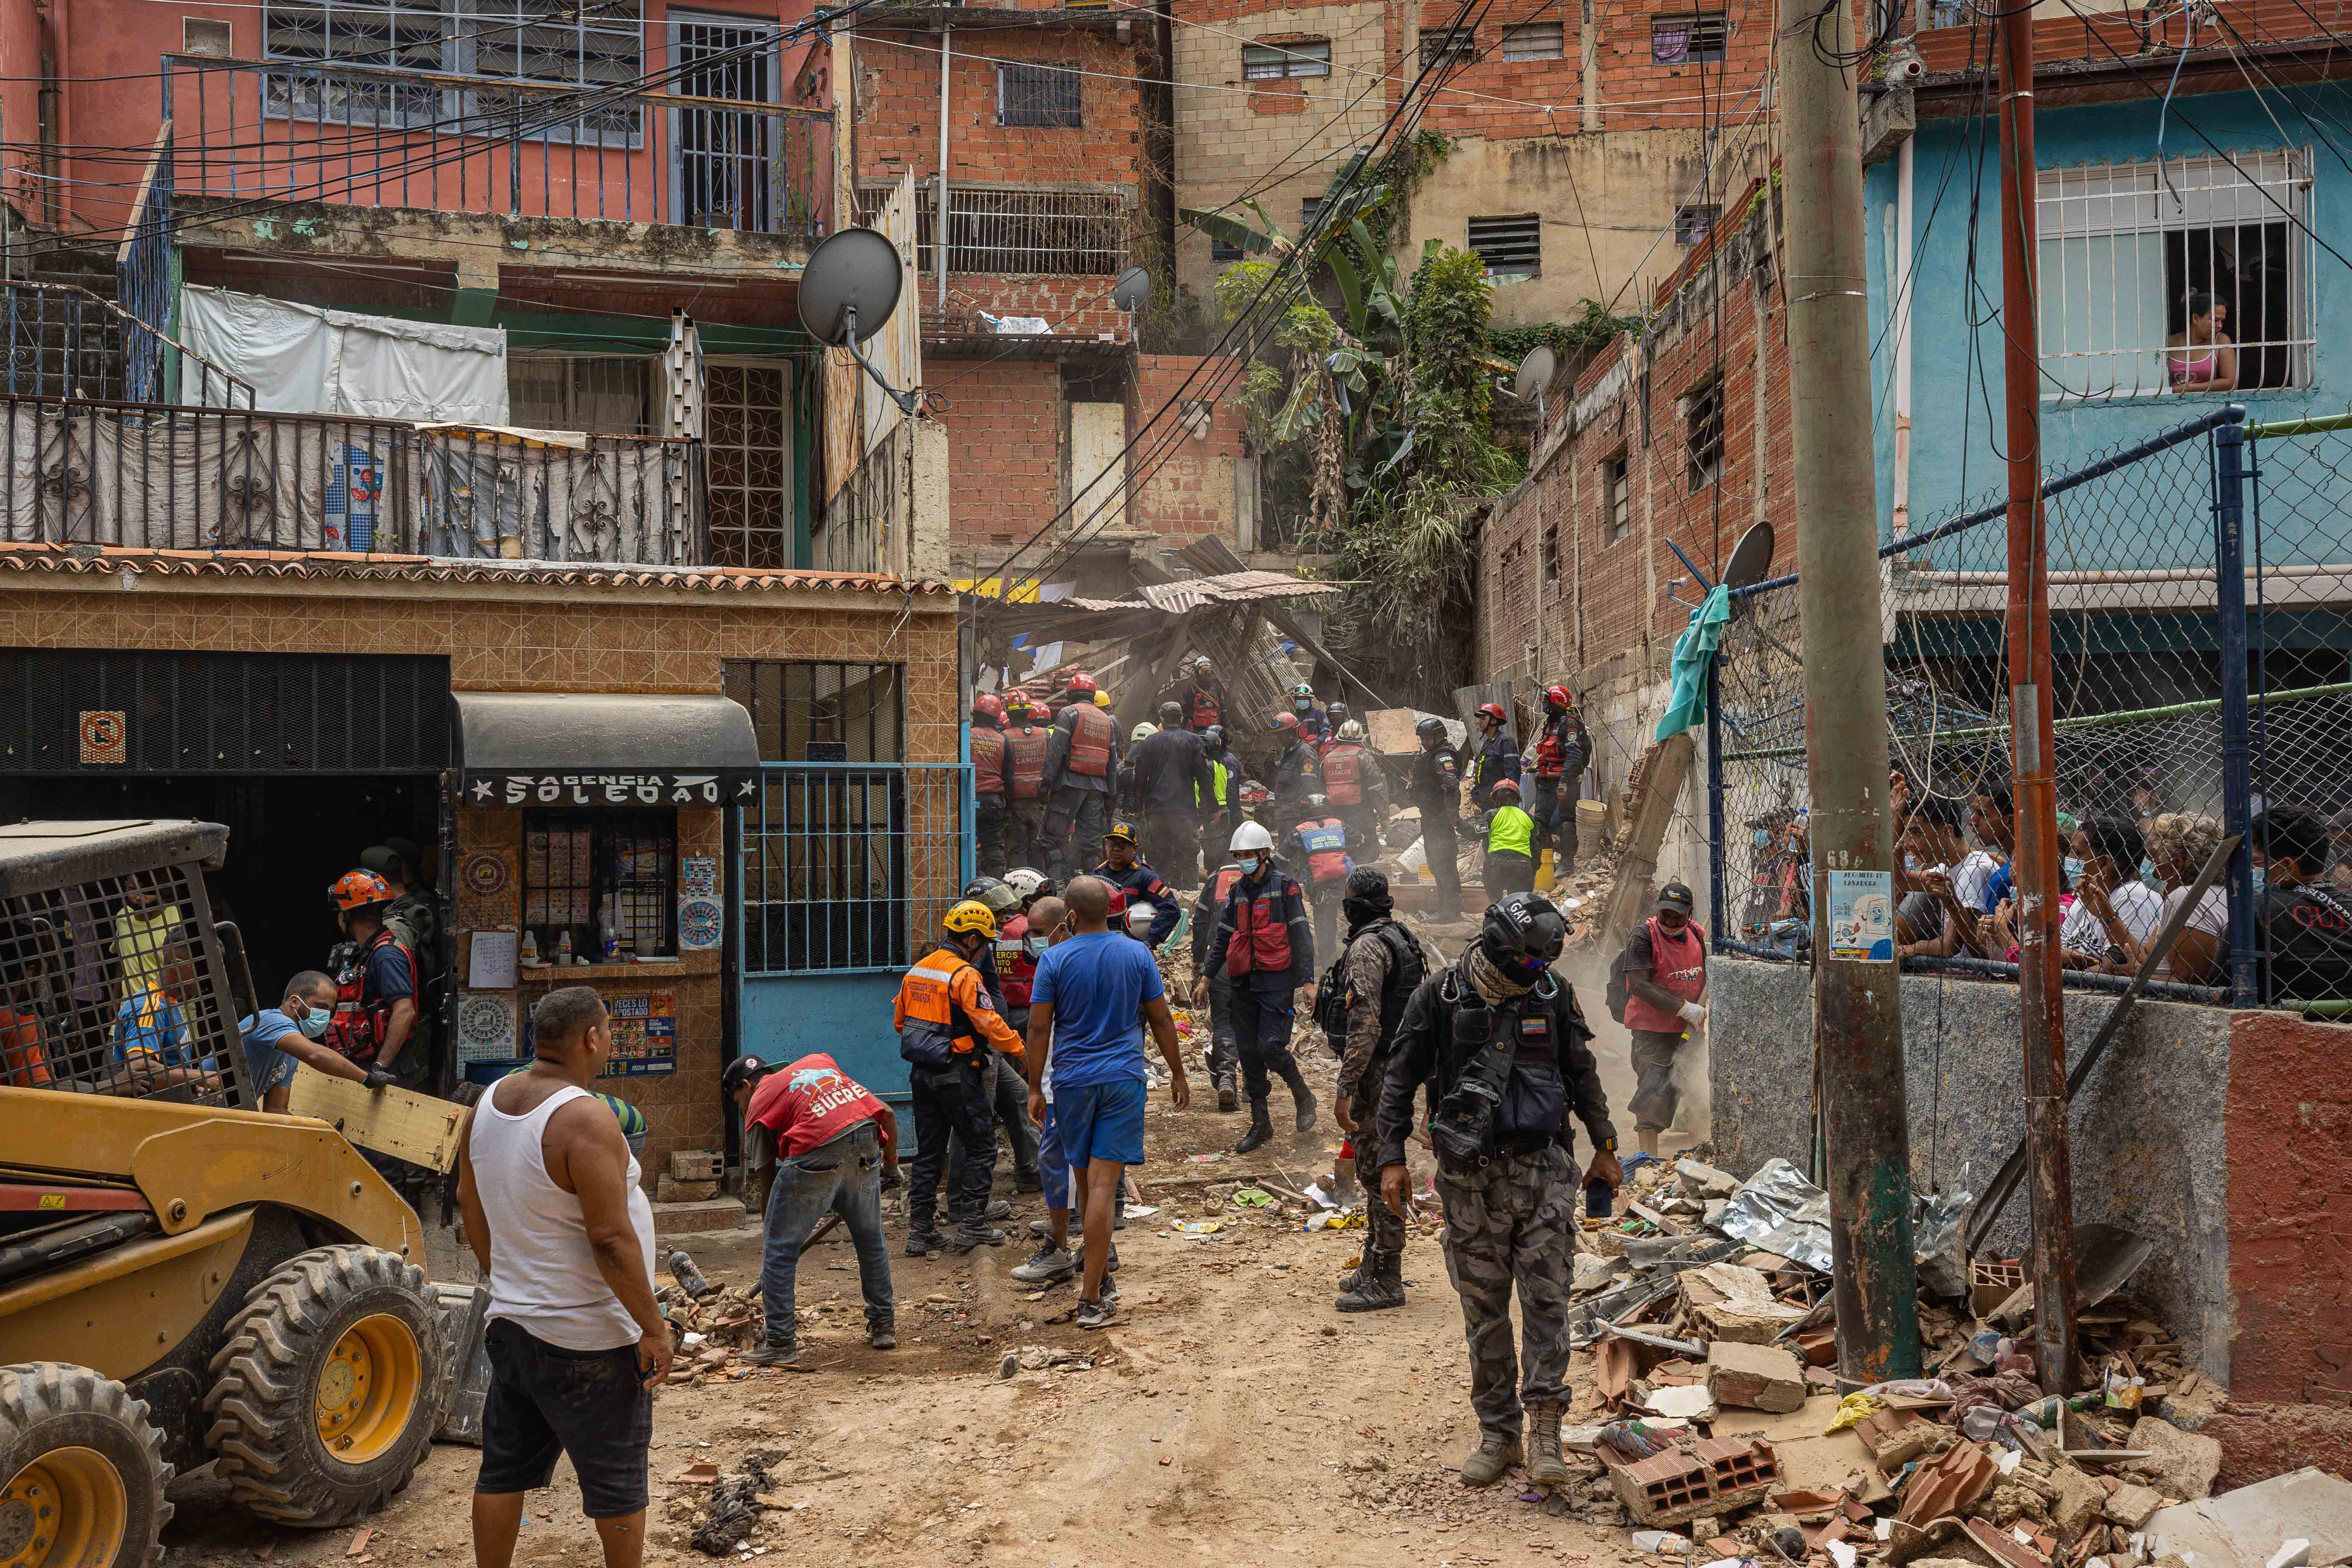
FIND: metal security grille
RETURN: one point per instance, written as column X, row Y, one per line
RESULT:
column 1532, row 41
column 1039, row 96
column 1511, row 246
column 1692, row 37
column 1693, row 224
column 1273, row 62
column 1447, row 46
column 112, row 712
column 115, row 986
column 1048, row 230
column 580, row 866
column 818, row 711
column 748, row 450
column 849, row 868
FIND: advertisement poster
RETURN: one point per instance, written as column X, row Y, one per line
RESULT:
column 485, row 887
column 645, row 1034
column 697, row 876
column 486, row 1026
column 1861, row 914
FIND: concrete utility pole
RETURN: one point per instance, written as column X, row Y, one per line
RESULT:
column 2042, row 993
column 1858, row 1007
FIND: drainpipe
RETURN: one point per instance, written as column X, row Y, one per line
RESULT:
column 51, row 187
column 940, row 219
column 1902, row 291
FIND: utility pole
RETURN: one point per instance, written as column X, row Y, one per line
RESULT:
column 1858, row 1004
column 2042, row 995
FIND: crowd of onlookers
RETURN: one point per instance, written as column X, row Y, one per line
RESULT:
column 2121, row 879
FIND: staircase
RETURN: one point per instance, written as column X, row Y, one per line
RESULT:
column 60, row 335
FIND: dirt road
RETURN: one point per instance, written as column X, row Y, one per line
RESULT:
column 1232, row 1417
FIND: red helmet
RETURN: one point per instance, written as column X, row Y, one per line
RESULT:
column 359, row 890
column 1284, row 721
column 1494, row 711
column 1559, row 696
column 1499, row 786
column 1080, row 681
column 1019, row 704
column 986, row 706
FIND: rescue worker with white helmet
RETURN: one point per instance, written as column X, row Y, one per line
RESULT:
column 1265, row 947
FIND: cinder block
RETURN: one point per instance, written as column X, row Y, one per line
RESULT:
column 695, row 1164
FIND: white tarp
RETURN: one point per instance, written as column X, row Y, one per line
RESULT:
column 304, row 359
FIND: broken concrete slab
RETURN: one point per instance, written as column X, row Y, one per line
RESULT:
column 2077, row 1502
column 1755, row 1377
column 2131, row 1506
column 2248, row 1525
column 2188, row 1462
column 1704, row 1181
column 1729, row 1302
column 1811, row 1460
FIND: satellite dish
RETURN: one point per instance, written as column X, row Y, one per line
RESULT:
column 850, row 284
column 1535, row 376
column 1751, row 558
column 1133, row 289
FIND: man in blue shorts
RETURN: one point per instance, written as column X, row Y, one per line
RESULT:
column 1083, row 1010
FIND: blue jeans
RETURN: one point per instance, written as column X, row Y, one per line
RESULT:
column 843, row 1177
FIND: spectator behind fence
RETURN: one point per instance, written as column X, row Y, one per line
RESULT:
column 2179, row 842
column 2103, row 856
column 1935, row 918
column 2339, row 844
column 2303, row 924
column 1992, row 817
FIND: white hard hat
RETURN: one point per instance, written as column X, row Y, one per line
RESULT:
column 1026, row 881
column 1139, row 916
column 1250, row 835
column 1353, row 729
column 1140, row 731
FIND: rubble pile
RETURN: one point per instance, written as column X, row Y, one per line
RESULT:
column 1724, row 1437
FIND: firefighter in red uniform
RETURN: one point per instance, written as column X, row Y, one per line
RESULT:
column 1223, row 1056
column 989, row 821
column 1266, row 948
column 1082, row 762
column 375, row 987
column 1202, row 704
column 1357, row 789
column 1026, row 741
column 1319, row 842
column 1561, row 751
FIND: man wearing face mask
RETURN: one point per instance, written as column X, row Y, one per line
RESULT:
column 1499, row 1046
column 1378, row 975
column 1264, row 946
column 276, row 1038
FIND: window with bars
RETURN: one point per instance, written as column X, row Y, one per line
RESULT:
column 1511, row 246
column 1309, row 209
column 1532, row 41
column 818, row 711
column 1040, row 97
column 1548, row 555
column 580, row 867
column 1447, row 46
column 1693, row 224
column 1275, row 62
column 1617, row 492
column 1703, row 434
column 1688, row 37
column 2128, row 250
column 601, row 395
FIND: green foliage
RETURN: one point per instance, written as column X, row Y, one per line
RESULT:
column 1589, row 330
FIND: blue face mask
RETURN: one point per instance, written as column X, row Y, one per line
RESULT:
column 2073, row 869
column 1763, row 836
column 313, row 1023
column 2148, row 871
column 2261, row 881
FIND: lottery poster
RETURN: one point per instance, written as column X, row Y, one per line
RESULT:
column 645, row 1034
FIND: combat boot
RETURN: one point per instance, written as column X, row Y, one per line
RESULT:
column 1227, row 1097
column 1379, row 1284
column 1261, row 1130
column 974, row 1231
column 1495, row 1453
column 924, row 1240
column 1545, row 1466
column 1302, row 1098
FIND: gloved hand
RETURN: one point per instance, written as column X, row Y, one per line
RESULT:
column 891, row 1178
column 378, row 1078
column 1693, row 1014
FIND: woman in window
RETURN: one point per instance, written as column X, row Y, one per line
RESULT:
column 2203, row 358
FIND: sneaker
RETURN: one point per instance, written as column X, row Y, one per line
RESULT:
column 771, row 1354
column 1049, row 1266
column 882, row 1337
column 1040, row 1229
column 1078, row 1259
column 1100, row 1314
column 921, row 1243
column 1000, row 1209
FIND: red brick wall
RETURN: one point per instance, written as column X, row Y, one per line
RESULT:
column 1072, row 306
column 2112, row 36
column 2290, row 1126
column 1189, row 490
column 1004, row 450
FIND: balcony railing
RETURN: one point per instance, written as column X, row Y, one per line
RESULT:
column 1059, row 231
column 137, row 475
column 288, row 130
column 60, row 341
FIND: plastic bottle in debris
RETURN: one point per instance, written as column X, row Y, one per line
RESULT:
column 690, row 1279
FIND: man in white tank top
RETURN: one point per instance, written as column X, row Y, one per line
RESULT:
column 557, row 1220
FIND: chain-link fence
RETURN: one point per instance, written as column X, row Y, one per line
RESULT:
column 2198, row 643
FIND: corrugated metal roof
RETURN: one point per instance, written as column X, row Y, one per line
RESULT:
column 1232, row 588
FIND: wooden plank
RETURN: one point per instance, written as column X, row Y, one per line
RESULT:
column 401, row 1122
column 1667, row 765
column 1390, row 729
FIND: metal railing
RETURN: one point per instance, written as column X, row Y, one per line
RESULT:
column 294, row 130
column 1018, row 230
column 849, row 866
column 141, row 476
column 60, row 341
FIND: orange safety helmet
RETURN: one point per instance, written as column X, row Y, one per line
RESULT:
column 356, row 891
column 1499, row 786
column 1288, row 721
column 986, row 706
column 1079, row 681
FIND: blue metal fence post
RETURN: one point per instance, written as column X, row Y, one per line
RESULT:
column 1714, row 839
column 2230, row 475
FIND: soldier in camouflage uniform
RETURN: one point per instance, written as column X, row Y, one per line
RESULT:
column 1510, row 1211
column 1378, row 972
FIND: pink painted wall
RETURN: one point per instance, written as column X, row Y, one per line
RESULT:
column 2290, row 1141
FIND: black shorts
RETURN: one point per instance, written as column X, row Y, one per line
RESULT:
column 545, row 1400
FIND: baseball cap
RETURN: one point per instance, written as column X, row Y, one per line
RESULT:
column 1674, row 896
column 1120, row 830
column 740, row 1071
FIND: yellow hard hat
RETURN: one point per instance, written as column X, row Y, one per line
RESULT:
column 968, row 916
column 1102, row 699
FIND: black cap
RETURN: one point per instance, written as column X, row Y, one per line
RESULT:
column 1674, row 896
column 740, row 1071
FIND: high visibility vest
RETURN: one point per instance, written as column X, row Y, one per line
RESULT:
column 1513, row 829
column 1217, row 770
column 1261, row 939
column 987, row 760
column 936, row 1030
column 1091, row 736
column 1024, row 762
column 1343, row 773
column 1326, row 843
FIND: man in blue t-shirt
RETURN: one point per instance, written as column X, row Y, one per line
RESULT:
column 277, row 1039
column 1084, row 1007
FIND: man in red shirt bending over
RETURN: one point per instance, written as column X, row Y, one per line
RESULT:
column 834, row 1143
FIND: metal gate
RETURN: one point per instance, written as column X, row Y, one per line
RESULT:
column 844, row 870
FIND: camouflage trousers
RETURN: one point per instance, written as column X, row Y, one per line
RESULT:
column 1513, row 1221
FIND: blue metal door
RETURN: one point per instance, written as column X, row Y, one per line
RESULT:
column 846, row 870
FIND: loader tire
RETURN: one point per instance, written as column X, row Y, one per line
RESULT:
column 326, row 1388
column 81, row 1471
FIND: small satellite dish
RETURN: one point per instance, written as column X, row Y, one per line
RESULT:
column 1751, row 559
column 1133, row 289
column 1534, row 374
column 850, row 284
